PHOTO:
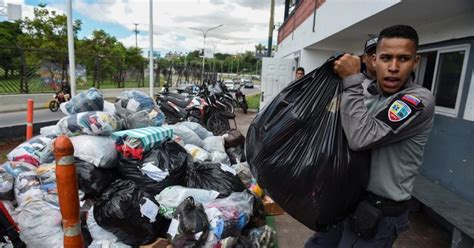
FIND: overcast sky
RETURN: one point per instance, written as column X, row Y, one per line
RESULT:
column 245, row 21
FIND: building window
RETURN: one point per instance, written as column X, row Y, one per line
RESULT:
column 442, row 70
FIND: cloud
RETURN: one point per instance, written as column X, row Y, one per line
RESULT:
column 245, row 21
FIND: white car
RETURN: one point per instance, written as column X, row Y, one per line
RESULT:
column 230, row 85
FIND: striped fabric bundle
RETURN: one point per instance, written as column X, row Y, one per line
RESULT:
column 135, row 142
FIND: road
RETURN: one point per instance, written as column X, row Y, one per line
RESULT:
column 42, row 115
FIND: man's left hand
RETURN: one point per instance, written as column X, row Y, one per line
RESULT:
column 347, row 65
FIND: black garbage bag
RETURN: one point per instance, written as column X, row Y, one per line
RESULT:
column 193, row 225
column 213, row 176
column 164, row 165
column 129, row 213
column 297, row 150
column 93, row 180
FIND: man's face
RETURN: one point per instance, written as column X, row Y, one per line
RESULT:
column 395, row 60
column 299, row 74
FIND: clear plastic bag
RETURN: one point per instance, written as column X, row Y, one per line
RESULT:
column 97, row 150
column 27, row 187
column 214, row 144
column 40, row 224
column 244, row 173
column 188, row 136
column 197, row 152
column 228, row 216
column 15, row 168
column 219, row 157
column 196, row 128
column 34, row 151
column 138, row 110
column 90, row 100
column 298, row 139
column 172, row 196
column 6, row 185
column 91, row 123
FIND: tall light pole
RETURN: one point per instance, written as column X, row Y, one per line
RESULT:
column 70, row 45
column 204, row 34
column 150, row 37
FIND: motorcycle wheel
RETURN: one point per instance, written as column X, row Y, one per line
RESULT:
column 229, row 106
column 53, row 106
column 244, row 106
column 217, row 124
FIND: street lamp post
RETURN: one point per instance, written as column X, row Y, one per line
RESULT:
column 204, row 34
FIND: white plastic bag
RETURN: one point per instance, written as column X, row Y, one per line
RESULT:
column 197, row 128
column 219, row 157
column 40, row 224
column 214, row 144
column 97, row 150
column 197, row 152
column 50, row 130
column 188, row 136
column 172, row 196
column 27, row 187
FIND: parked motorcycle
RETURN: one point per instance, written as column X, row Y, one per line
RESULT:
column 177, row 108
column 240, row 98
column 58, row 98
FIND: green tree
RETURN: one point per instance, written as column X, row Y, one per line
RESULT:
column 9, row 31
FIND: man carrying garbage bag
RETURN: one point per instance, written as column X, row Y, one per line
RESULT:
column 394, row 125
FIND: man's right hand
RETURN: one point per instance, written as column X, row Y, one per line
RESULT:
column 347, row 65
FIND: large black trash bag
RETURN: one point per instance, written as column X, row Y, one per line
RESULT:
column 212, row 176
column 129, row 213
column 193, row 225
column 93, row 180
column 297, row 150
column 168, row 156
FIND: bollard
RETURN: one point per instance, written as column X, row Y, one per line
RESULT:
column 68, row 192
column 29, row 119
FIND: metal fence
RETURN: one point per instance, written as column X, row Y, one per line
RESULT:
column 24, row 71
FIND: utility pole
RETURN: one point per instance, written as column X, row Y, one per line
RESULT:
column 136, row 33
column 270, row 28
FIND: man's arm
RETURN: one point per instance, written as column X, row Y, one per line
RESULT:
column 365, row 130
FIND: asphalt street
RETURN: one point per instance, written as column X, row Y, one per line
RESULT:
column 43, row 115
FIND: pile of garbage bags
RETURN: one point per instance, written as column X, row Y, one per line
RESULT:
column 138, row 179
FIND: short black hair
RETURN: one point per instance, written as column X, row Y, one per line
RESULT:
column 399, row 31
column 300, row 69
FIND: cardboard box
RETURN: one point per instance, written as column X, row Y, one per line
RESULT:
column 159, row 243
column 271, row 207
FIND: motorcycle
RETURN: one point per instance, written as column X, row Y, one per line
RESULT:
column 177, row 108
column 58, row 98
column 240, row 98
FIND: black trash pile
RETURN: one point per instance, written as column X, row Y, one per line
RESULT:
column 139, row 180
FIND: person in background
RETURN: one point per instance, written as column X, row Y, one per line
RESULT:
column 66, row 90
column 393, row 123
column 299, row 73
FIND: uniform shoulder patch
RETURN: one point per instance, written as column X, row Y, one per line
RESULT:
column 400, row 110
